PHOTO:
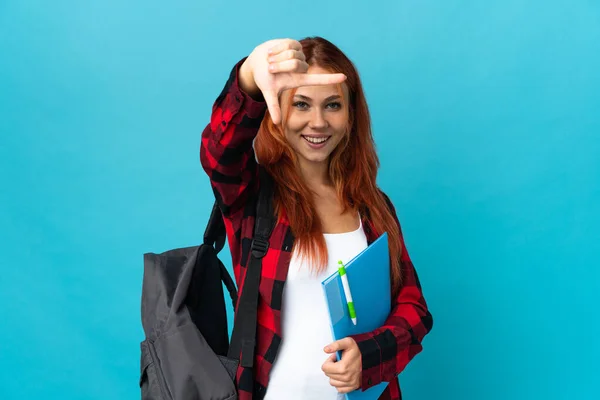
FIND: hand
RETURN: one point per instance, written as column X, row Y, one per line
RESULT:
column 345, row 375
column 289, row 71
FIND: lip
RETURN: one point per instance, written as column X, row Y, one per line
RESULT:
column 315, row 146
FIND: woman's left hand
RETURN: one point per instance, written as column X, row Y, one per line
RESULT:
column 345, row 374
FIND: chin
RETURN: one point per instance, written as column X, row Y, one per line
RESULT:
column 314, row 158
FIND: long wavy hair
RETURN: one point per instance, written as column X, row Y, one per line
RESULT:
column 353, row 166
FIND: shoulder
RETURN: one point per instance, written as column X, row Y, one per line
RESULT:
column 388, row 201
column 392, row 209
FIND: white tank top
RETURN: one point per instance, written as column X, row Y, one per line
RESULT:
column 296, row 372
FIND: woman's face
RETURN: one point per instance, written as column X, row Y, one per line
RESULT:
column 318, row 119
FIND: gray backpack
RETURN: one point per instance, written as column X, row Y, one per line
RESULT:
column 186, row 354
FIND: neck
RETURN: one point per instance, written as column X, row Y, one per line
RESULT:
column 316, row 175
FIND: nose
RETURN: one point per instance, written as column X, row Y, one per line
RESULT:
column 317, row 119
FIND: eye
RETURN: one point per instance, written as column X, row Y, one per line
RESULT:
column 303, row 105
column 298, row 103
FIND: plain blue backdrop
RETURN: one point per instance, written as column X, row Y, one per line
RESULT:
column 486, row 115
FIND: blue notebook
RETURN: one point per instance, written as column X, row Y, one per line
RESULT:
column 369, row 280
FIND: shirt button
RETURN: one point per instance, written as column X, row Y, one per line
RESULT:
column 369, row 381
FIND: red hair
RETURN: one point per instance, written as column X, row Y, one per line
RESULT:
column 353, row 167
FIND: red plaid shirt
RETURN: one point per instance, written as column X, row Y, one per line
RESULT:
column 228, row 158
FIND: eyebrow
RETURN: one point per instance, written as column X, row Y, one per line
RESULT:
column 335, row 96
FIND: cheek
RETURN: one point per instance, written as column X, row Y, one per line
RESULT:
column 295, row 122
column 291, row 134
column 341, row 125
column 340, row 121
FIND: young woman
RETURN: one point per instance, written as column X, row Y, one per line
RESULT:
column 298, row 109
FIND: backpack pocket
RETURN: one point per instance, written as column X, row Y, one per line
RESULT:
column 152, row 382
column 187, row 368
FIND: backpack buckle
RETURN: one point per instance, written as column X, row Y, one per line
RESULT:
column 259, row 247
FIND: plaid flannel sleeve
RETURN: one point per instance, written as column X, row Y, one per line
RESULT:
column 387, row 350
column 226, row 151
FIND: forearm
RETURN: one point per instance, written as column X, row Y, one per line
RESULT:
column 246, row 82
column 387, row 350
column 226, row 152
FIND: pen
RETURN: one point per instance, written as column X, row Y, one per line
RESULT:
column 344, row 277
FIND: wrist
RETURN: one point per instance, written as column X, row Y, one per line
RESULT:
column 246, row 80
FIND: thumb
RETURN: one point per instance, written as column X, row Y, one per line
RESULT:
column 336, row 346
column 272, row 101
column 319, row 79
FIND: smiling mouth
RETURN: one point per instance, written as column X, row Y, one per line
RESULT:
column 313, row 140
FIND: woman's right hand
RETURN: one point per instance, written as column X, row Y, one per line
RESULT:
column 288, row 71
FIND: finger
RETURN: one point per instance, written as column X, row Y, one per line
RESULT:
column 335, row 370
column 345, row 389
column 316, row 79
column 341, row 386
column 338, row 383
column 273, row 105
column 337, row 376
column 329, row 363
column 294, row 65
column 331, row 366
column 287, row 55
column 285, row 45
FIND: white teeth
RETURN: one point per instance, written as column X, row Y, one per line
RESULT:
column 315, row 140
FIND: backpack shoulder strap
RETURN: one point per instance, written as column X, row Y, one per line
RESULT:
column 243, row 337
column 214, row 234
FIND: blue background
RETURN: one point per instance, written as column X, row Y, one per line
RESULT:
column 486, row 117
